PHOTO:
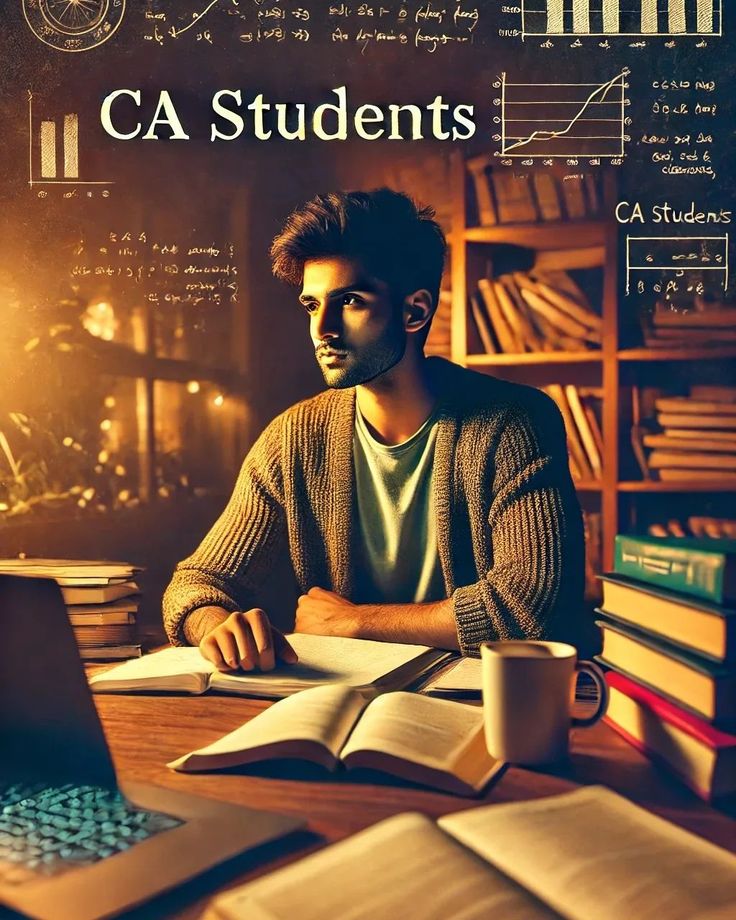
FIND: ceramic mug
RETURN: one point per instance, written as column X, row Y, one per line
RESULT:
column 528, row 692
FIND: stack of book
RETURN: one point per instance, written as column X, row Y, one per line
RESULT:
column 101, row 600
column 698, row 435
column 534, row 312
column 712, row 326
column 669, row 635
column 505, row 197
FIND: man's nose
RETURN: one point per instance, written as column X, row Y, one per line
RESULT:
column 326, row 323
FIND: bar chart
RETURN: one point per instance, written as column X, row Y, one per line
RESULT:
column 53, row 150
column 622, row 17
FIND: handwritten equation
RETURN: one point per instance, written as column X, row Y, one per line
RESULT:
column 163, row 272
column 427, row 26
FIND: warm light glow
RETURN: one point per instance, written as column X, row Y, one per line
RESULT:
column 67, row 442
column 193, row 386
column 103, row 456
column 4, row 507
column 109, row 402
column 105, row 424
column 88, row 494
column 99, row 320
column 219, row 399
column 124, row 495
column 120, row 470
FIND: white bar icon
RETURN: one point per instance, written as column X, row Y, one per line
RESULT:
column 610, row 15
column 581, row 16
column 676, row 19
column 555, row 17
column 71, row 146
column 705, row 16
column 48, row 149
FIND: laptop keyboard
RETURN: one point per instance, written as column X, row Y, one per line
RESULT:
column 46, row 830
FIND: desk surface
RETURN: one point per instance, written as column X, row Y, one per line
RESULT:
column 144, row 732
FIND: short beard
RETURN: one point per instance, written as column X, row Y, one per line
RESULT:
column 370, row 363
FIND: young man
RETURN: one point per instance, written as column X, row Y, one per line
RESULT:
column 421, row 502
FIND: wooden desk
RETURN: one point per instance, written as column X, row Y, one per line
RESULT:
column 144, row 732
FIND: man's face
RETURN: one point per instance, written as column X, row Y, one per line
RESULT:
column 356, row 327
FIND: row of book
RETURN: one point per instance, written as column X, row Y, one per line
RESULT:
column 669, row 639
column 702, row 526
column 696, row 436
column 101, row 599
column 506, row 197
column 534, row 311
column 712, row 324
column 580, row 407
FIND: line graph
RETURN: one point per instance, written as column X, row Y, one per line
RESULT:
column 579, row 119
column 175, row 33
column 622, row 17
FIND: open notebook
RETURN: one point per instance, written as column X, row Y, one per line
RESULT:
column 360, row 663
column 435, row 742
column 583, row 855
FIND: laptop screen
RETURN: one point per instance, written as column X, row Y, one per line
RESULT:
column 49, row 727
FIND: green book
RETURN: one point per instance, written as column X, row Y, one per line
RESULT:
column 701, row 568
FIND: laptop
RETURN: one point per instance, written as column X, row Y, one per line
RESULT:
column 75, row 844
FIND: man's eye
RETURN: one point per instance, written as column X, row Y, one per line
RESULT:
column 351, row 300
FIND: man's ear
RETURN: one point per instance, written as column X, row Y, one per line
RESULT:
column 418, row 310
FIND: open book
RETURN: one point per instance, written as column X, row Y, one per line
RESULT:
column 581, row 855
column 361, row 663
column 434, row 742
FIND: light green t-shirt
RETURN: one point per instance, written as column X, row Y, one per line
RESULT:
column 396, row 527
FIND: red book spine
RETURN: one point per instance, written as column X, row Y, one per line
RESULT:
column 667, row 711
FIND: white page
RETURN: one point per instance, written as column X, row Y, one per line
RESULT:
column 170, row 669
column 323, row 659
column 465, row 676
column 417, row 728
column 325, row 715
column 592, row 853
column 403, row 867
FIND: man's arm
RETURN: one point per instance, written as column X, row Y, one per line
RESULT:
column 227, row 569
column 534, row 589
column 328, row 614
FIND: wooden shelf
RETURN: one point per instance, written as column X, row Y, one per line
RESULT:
column 569, row 246
column 588, row 485
column 583, row 234
column 676, row 354
column 534, row 357
column 682, row 485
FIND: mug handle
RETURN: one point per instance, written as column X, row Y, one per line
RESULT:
column 600, row 681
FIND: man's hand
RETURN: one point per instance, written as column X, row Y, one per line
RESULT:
column 325, row 613
column 247, row 641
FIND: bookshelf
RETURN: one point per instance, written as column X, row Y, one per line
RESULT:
column 571, row 245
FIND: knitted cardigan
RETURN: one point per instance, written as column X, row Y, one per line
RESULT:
column 509, row 526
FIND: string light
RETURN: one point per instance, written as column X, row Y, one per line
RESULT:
column 219, row 400
column 105, row 424
column 193, row 387
column 109, row 402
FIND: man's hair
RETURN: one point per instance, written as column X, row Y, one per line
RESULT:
column 396, row 240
